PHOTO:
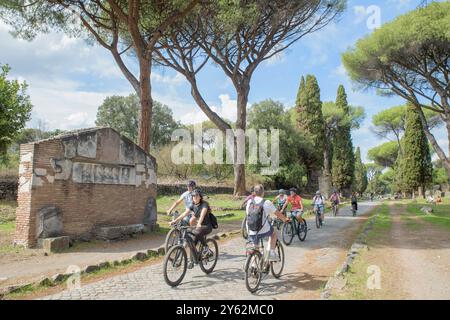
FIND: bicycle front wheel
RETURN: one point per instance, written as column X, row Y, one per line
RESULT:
column 302, row 230
column 253, row 273
column 318, row 222
column 172, row 239
column 277, row 267
column 208, row 262
column 244, row 229
column 287, row 234
column 175, row 265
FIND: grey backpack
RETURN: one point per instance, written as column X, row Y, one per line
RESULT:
column 255, row 215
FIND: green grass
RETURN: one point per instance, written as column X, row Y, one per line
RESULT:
column 7, row 227
column 382, row 224
column 410, row 222
column 356, row 286
column 439, row 217
column 7, row 211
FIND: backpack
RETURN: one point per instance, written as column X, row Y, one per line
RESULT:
column 255, row 215
column 213, row 220
column 321, row 198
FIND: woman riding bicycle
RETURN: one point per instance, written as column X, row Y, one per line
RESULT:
column 202, row 221
column 296, row 205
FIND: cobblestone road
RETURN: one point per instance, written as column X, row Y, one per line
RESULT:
column 227, row 280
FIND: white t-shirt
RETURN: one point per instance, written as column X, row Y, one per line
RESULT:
column 318, row 200
column 268, row 209
column 187, row 198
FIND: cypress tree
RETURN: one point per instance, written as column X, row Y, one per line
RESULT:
column 311, row 124
column 416, row 168
column 343, row 162
column 360, row 173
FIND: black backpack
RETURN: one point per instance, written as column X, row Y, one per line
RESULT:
column 255, row 215
column 213, row 220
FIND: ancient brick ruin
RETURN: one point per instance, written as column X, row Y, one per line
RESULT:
column 78, row 184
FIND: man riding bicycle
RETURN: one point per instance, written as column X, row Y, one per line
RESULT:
column 186, row 197
column 296, row 205
column 259, row 225
column 280, row 200
column 319, row 204
column 335, row 200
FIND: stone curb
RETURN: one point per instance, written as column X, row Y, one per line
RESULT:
column 338, row 281
column 59, row 278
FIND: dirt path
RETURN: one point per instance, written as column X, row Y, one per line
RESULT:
column 413, row 257
column 423, row 256
column 17, row 269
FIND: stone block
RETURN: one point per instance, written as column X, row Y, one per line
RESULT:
column 117, row 232
column 50, row 222
column 92, row 268
column 54, row 245
column 140, row 256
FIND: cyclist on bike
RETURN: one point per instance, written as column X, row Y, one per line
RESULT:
column 319, row 203
column 280, row 200
column 296, row 205
column 200, row 210
column 186, row 197
column 259, row 226
column 354, row 200
column 335, row 200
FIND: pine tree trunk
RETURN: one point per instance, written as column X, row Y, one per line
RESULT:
column 241, row 123
column 145, row 119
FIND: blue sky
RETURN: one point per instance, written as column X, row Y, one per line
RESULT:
column 69, row 79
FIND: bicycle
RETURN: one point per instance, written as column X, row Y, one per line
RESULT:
column 244, row 231
column 176, row 257
column 354, row 209
column 334, row 207
column 257, row 265
column 292, row 228
column 318, row 217
column 174, row 235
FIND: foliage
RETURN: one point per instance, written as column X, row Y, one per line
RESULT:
column 295, row 149
column 343, row 161
column 385, row 154
column 309, row 108
column 392, row 121
column 415, row 166
column 409, row 57
column 122, row 114
column 15, row 108
column 360, row 173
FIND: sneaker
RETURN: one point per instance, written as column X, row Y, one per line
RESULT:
column 190, row 265
column 273, row 256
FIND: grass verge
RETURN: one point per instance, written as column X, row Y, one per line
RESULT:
column 356, row 278
column 440, row 215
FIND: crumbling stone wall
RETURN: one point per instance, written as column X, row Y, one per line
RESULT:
column 77, row 183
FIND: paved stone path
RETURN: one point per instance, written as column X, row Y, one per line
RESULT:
column 227, row 280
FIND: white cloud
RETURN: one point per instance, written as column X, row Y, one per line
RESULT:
column 175, row 80
column 227, row 110
column 77, row 120
column 340, row 70
column 228, row 107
